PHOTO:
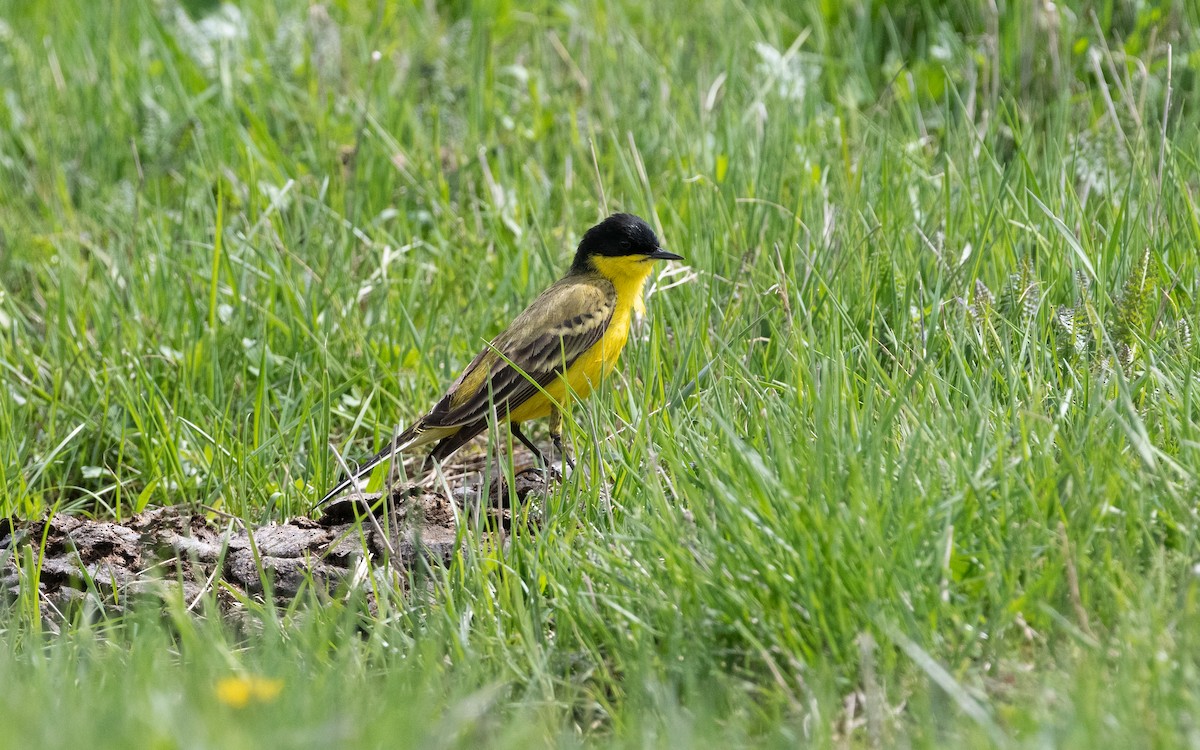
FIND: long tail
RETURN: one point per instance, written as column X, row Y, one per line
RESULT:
column 411, row 437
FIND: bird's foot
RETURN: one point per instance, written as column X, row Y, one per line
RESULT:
column 556, row 438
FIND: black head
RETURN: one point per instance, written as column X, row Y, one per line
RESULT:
column 620, row 235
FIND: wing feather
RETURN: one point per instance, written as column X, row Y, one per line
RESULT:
column 564, row 322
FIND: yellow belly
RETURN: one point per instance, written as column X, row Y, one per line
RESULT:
column 584, row 374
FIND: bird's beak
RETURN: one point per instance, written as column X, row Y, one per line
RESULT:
column 660, row 254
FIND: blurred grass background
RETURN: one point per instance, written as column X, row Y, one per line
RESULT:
column 906, row 455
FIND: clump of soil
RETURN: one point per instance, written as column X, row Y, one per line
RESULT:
column 75, row 561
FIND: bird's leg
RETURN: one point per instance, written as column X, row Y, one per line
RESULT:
column 516, row 431
column 556, row 421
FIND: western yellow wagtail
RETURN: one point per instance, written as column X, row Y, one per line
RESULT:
column 570, row 336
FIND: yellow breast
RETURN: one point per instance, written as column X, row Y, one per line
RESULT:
column 628, row 277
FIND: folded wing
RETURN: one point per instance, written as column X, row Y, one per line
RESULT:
column 564, row 322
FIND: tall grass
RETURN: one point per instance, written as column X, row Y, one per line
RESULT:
column 906, row 455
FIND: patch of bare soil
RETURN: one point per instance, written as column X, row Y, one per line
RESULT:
column 78, row 562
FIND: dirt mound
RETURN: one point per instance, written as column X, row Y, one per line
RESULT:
column 78, row 562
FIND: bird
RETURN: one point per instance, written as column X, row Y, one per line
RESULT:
column 564, row 342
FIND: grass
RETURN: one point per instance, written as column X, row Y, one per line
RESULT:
column 906, row 456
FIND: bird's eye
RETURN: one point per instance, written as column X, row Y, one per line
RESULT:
column 626, row 244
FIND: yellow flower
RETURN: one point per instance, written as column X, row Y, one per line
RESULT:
column 240, row 691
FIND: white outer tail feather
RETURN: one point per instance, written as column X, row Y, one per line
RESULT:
column 403, row 442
